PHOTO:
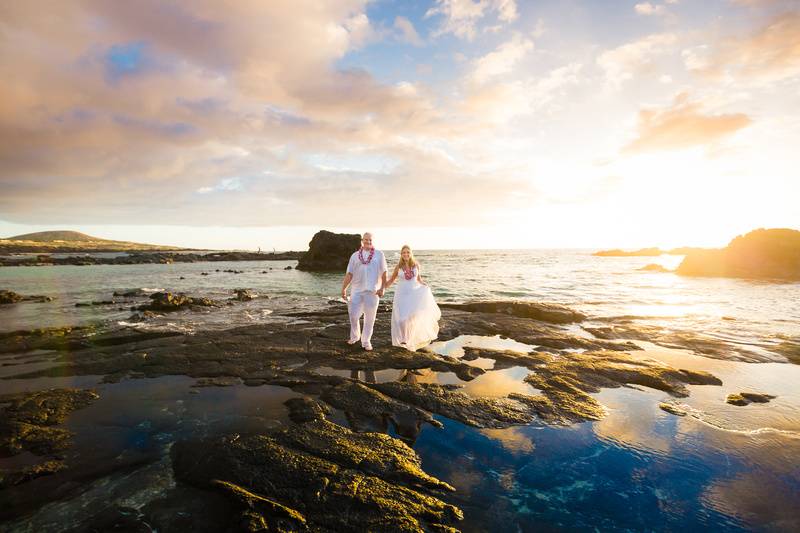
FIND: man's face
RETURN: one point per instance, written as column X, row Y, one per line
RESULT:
column 366, row 240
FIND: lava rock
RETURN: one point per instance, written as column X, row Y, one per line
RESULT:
column 329, row 251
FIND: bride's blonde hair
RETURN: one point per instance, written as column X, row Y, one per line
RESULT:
column 411, row 261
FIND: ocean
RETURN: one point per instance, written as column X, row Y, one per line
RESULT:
column 723, row 467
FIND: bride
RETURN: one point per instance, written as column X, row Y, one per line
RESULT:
column 415, row 315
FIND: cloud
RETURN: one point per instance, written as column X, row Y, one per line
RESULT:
column 407, row 32
column 646, row 8
column 461, row 17
column 624, row 62
column 233, row 113
column 499, row 103
column 682, row 125
column 502, row 60
column 770, row 54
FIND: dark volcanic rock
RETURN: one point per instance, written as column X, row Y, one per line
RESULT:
column 167, row 302
column 329, row 251
column 243, row 295
column 135, row 258
column 655, row 267
column 302, row 410
column 552, row 313
column 760, row 254
column 26, row 422
column 746, row 398
column 547, row 337
column 319, row 476
column 370, row 410
column 448, row 401
column 566, row 380
column 672, row 408
column 643, row 252
column 11, row 297
column 16, row 477
column 678, row 339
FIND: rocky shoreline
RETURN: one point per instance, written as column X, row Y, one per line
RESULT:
column 146, row 258
column 321, row 474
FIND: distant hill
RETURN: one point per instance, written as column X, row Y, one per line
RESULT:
column 72, row 241
column 50, row 236
column 762, row 254
column 647, row 252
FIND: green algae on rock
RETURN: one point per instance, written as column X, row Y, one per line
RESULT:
column 565, row 381
column 28, row 418
column 318, row 475
column 448, row 401
column 9, row 478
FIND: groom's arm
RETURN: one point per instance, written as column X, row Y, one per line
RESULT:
column 345, row 283
column 384, row 268
column 348, row 277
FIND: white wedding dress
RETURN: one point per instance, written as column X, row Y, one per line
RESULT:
column 415, row 315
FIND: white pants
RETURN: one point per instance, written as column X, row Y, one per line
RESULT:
column 362, row 303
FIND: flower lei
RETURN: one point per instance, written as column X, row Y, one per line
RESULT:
column 408, row 272
column 361, row 256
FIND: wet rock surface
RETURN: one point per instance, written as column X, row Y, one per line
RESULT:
column 329, row 252
column 11, row 297
column 552, row 313
column 137, row 258
column 686, row 340
column 318, row 475
column 746, row 398
column 168, row 302
column 27, row 419
column 315, row 473
column 565, row 381
column 243, row 295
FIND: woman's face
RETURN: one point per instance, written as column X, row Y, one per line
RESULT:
column 405, row 254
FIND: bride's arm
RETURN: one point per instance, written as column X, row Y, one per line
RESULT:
column 419, row 275
column 392, row 279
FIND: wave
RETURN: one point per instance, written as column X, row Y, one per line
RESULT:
column 717, row 423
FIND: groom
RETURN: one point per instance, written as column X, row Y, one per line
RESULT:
column 367, row 273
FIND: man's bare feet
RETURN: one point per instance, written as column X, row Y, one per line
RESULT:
column 352, row 342
column 368, row 347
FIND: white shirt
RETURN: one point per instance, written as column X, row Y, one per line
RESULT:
column 366, row 277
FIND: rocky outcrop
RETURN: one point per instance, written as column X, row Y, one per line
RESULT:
column 760, row 254
column 11, row 297
column 136, row 258
column 328, row 252
column 26, row 422
column 318, row 476
column 552, row 313
column 746, row 398
column 654, row 267
column 243, row 295
column 565, row 382
column 643, row 252
column 646, row 252
column 168, row 302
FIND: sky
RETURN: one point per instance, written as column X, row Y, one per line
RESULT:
column 441, row 124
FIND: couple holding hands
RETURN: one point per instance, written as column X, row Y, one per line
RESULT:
column 415, row 315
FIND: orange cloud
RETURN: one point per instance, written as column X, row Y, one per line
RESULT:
column 770, row 54
column 682, row 125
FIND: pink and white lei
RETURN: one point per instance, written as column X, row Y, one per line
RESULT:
column 361, row 255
